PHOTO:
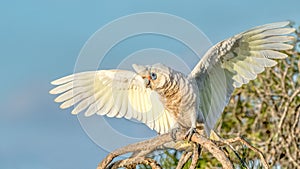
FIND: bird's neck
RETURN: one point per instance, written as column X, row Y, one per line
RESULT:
column 174, row 93
column 171, row 88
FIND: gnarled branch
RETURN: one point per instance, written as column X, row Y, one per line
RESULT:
column 156, row 143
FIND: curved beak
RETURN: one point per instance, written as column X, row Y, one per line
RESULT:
column 147, row 81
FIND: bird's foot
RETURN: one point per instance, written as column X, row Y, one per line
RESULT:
column 190, row 133
column 173, row 133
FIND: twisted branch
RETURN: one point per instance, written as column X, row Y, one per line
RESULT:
column 155, row 143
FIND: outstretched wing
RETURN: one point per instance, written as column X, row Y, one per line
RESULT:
column 234, row 62
column 114, row 93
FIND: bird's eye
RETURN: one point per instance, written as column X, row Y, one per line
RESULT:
column 153, row 76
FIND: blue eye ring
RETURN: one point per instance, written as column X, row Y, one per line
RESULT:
column 153, row 76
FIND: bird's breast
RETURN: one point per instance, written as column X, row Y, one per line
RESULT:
column 178, row 96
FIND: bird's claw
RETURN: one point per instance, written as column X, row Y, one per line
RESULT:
column 190, row 133
column 173, row 133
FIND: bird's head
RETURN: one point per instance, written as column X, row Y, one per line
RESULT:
column 155, row 76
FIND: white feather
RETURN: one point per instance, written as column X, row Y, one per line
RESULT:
column 272, row 46
column 259, row 29
column 113, row 93
column 74, row 100
column 244, row 56
column 269, row 54
column 123, row 108
column 272, row 32
column 272, row 39
column 78, row 76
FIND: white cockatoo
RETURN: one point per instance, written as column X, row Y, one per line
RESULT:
column 165, row 99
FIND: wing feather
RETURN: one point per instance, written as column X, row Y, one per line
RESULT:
column 118, row 104
column 272, row 39
column 113, row 93
column 259, row 29
column 94, row 107
column 234, row 62
column 124, row 105
column 80, row 76
column 268, row 54
column 272, row 32
column 74, row 100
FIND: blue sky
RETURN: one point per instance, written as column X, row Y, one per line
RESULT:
column 40, row 41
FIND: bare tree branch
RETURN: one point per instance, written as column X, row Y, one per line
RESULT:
column 133, row 162
column 196, row 154
column 243, row 141
column 185, row 156
column 155, row 143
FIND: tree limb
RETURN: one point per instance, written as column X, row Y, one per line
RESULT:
column 156, row 143
column 185, row 156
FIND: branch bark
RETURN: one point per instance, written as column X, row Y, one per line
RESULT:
column 157, row 143
column 185, row 156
